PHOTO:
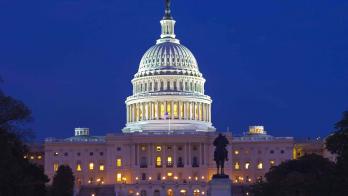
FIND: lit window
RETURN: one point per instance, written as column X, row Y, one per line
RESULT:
column 55, row 167
column 272, row 162
column 119, row 162
column 169, row 174
column 78, row 167
column 91, row 166
column 158, row 162
column 247, row 165
column 183, row 191
column 56, row 154
column 118, row 177
column 39, row 157
column 169, row 161
column 260, row 165
column 158, row 148
column 32, row 157
column 236, row 152
column 236, row 166
column 143, row 148
column 101, row 167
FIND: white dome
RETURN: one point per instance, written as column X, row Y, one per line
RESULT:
column 168, row 56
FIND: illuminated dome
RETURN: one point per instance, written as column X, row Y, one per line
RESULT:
column 166, row 57
column 168, row 89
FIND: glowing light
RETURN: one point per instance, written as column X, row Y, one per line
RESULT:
column 101, row 167
column 91, row 166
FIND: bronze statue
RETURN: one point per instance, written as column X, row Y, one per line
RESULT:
column 220, row 155
column 167, row 14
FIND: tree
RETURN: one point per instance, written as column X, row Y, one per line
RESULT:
column 337, row 143
column 63, row 182
column 310, row 175
column 19, row 177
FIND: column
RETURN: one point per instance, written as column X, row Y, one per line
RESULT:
column 172, row 110
column 209, row 113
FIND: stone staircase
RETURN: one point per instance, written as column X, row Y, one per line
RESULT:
column 101, row 190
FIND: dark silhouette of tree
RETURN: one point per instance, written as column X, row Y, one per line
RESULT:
column 18, row 177
column 310, row 175
column 337, row 143
column 63, row 182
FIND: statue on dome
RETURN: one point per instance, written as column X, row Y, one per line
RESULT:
column 220, row 155
column 167, row 10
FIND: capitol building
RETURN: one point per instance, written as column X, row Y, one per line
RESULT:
column 166, row 147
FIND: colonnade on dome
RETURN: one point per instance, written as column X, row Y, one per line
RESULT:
column 168, row 83
column 163, row 110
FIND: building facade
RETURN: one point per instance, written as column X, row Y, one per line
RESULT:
column 166, row 146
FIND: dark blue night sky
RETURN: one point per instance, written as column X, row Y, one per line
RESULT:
column 279, row 63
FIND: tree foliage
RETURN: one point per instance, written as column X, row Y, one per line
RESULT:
column 337, row 143
column 18, row 177
column 311, row 175
column 63, row 182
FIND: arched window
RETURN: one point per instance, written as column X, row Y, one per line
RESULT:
column 170, row 192
column 196, row 192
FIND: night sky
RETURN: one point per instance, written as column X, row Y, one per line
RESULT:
column 278, row 63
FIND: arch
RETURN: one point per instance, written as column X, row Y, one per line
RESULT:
column 196, row 192
column 170, row 192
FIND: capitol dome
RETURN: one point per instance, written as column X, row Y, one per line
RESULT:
column 168, row 89
column 168, row 56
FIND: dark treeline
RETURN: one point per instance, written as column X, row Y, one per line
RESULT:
column 311, row 175
column 18, row 176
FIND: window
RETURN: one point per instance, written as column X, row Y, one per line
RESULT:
column 169, row 161
column 158, row 148
column 66, row 154
column 55, row 167
column 78, row 154
column 91, row 166
column 91, row 154
column 118, row 148
column 143, row 176
column 236, row 152
column 118, row 162
column 39, row 157
column 56, row 154
column 101, row 153
column 143, row 162
column 236, row 166
column 169, row 174
column 180, row 148
column 195, row 162
column 143, row 148
column 282, row 151
column 272, row 151
column 118, row 177
column 101, row 167
column 158, row 162
column 260, row 165
column 247, row 165
column 272, row 162
column 180, row 162
column 78, row 167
